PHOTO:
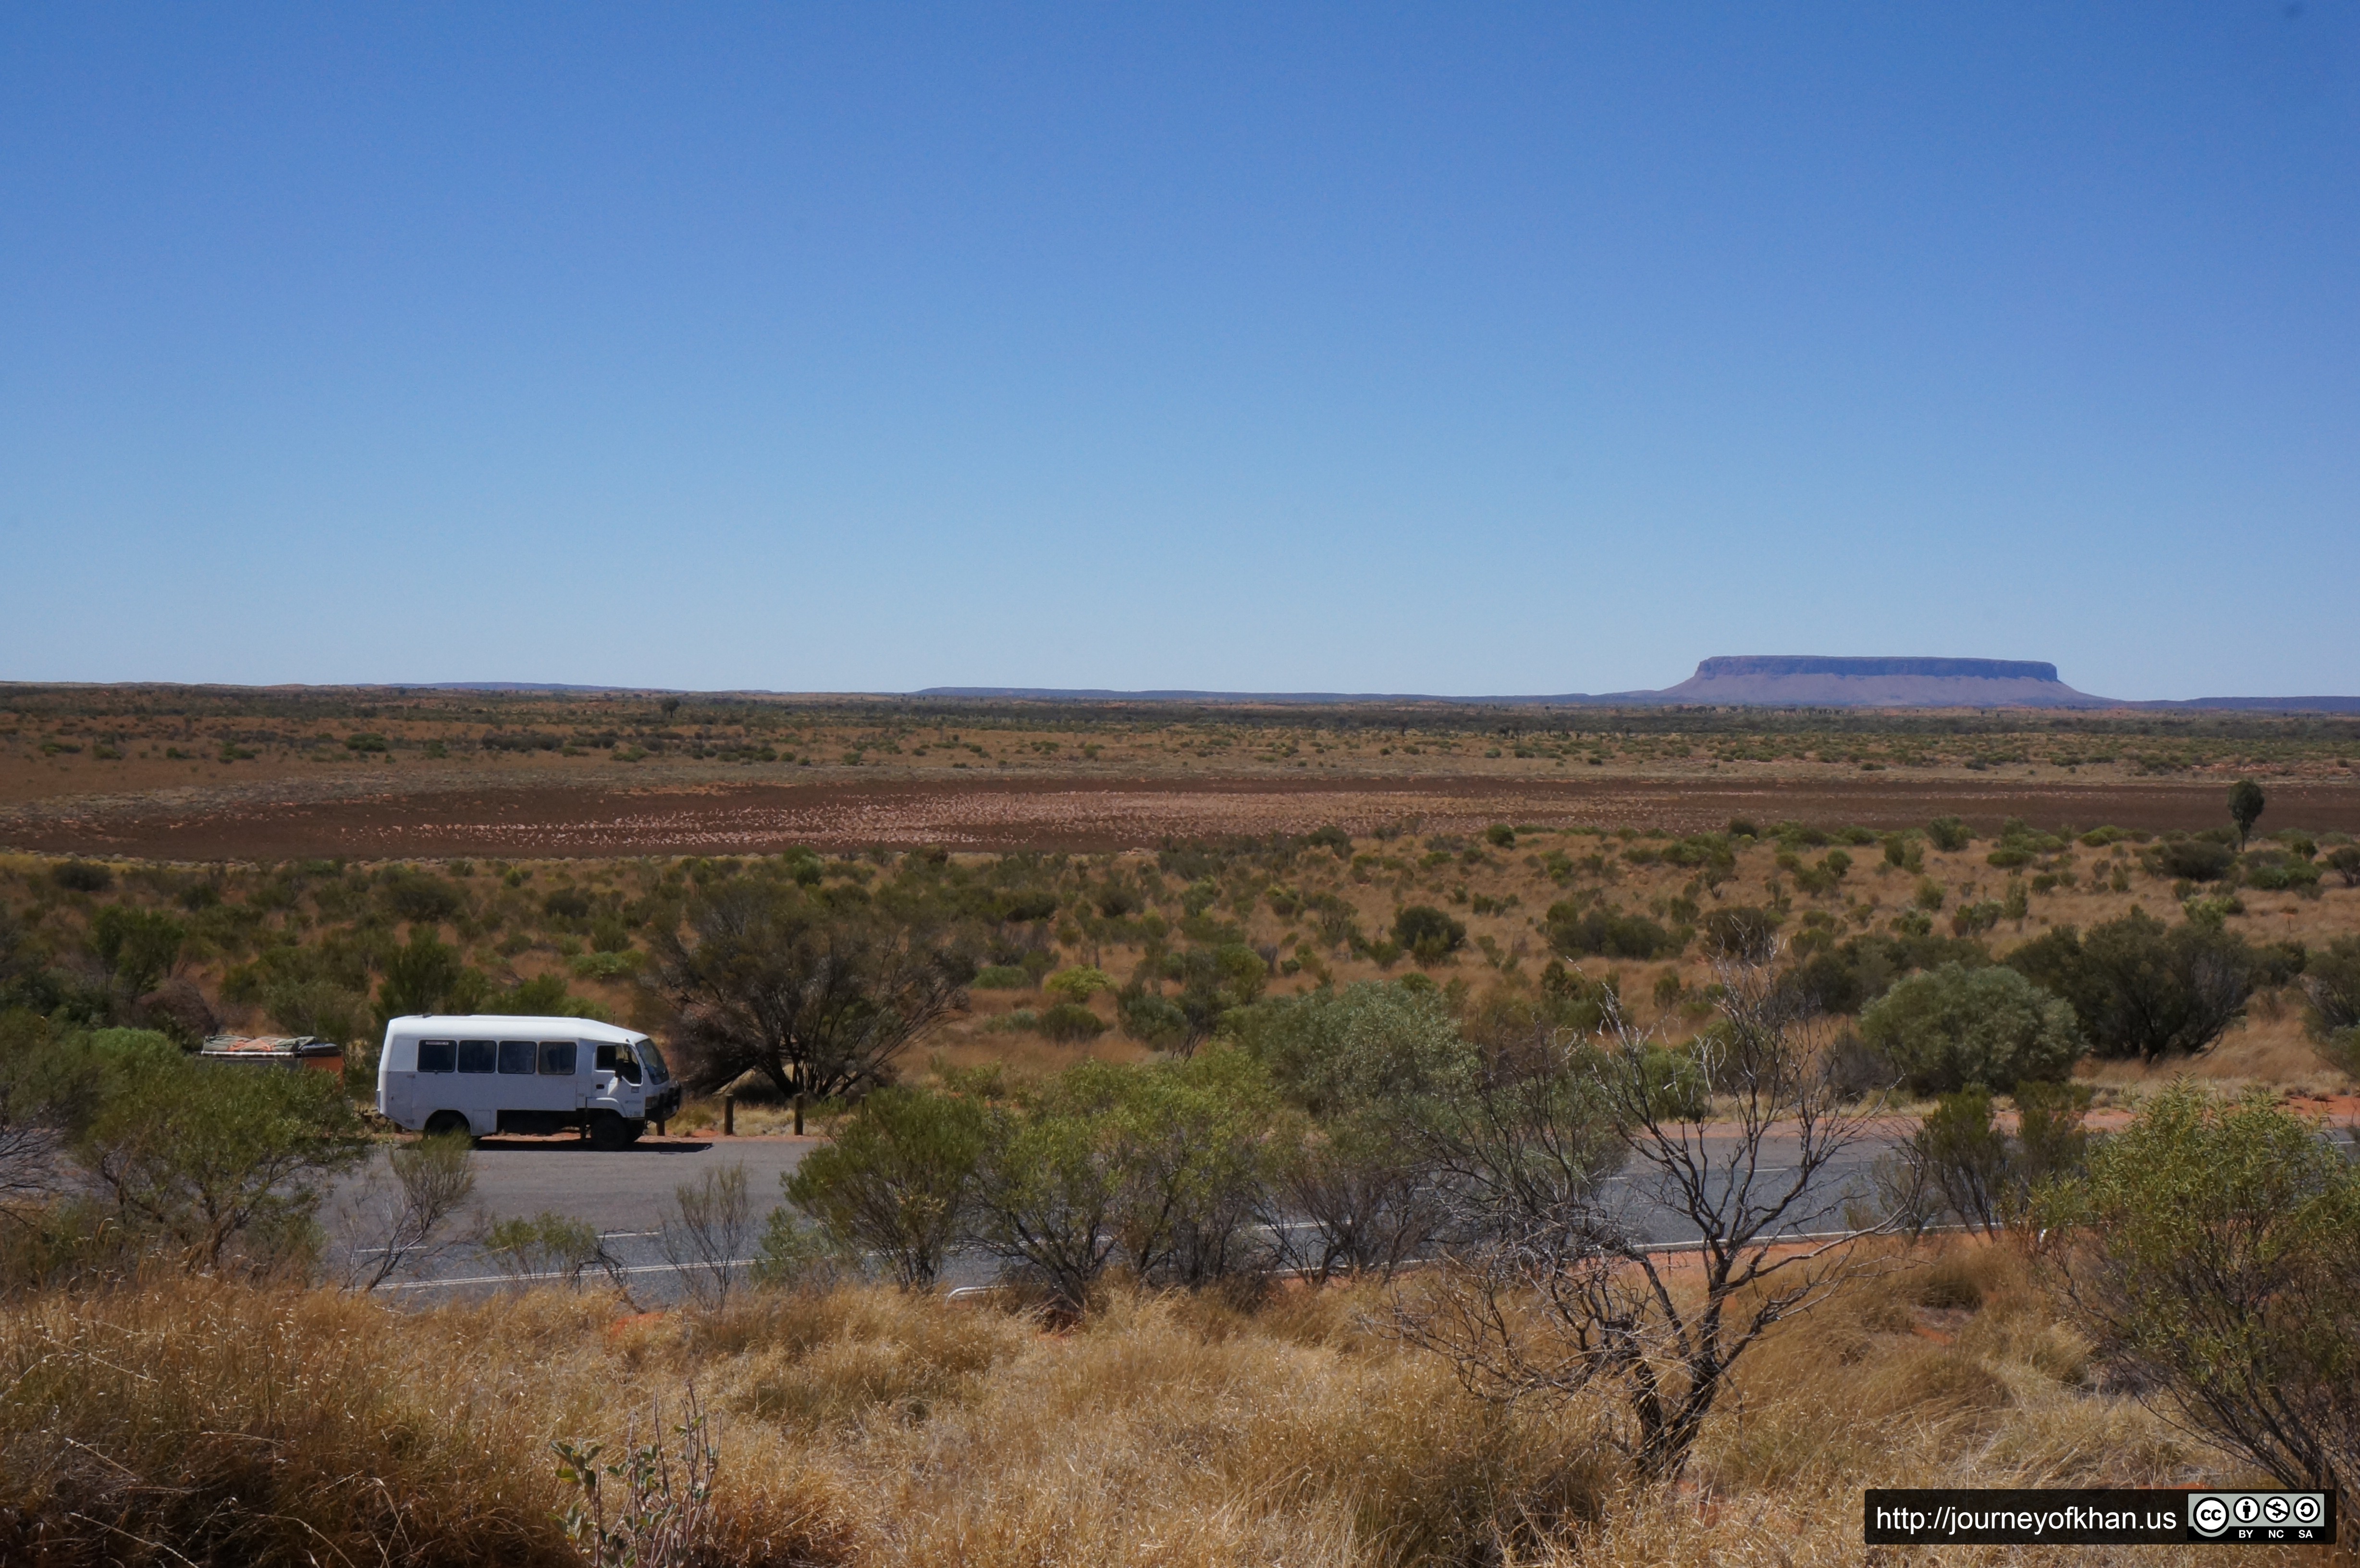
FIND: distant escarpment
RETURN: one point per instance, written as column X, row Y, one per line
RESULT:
column 1747, row 680
column 1804, row 681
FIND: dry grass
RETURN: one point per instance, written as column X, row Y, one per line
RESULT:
column 244, row 1425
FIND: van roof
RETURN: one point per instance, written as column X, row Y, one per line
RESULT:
column 496, row 1025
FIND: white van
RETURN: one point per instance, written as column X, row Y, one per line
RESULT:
column 487, row 1074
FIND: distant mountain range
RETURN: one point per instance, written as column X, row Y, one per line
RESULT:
column 1751, row 681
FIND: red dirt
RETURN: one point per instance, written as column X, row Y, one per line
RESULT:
column 1044, row 812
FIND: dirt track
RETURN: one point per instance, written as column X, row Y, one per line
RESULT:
column 1048, row 811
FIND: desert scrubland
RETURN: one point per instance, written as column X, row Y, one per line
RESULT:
column 1204, row 967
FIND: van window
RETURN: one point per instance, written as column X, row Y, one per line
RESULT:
column 479, row 1055
column 654, row 1060
column 618, row 1060
column 516, row 1055
column 437, row 1055
column 557, row 1058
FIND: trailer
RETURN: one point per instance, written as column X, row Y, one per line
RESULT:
column 298, row 1050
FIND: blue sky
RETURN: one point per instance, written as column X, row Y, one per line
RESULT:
column 1446, row 349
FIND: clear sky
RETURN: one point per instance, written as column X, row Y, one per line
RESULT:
column 1458, row 348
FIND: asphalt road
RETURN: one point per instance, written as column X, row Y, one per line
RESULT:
column 626, row 1195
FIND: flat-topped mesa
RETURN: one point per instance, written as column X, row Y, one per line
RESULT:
column 1787, row 679
column 1937, row 669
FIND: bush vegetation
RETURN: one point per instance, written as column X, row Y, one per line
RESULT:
column 1956, row 1028
column 1151, row 1209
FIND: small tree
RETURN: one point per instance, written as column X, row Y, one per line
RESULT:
column 48, row 1089
column 2245, row 803
column 1193, row 1141
column 2140, row 988
column 1155, row 1166
column 1049, row 1195
column 706, row 1237
column 1369, row 1044
column 402, row 1210
column 1349, row 1180
column 138, row 947
column 2331, row 978
column 1741, row 934
column 817, row 1000
column 1550, row 1294
column 896, row 1180
column 2213, row 1249
column 1962, row 1163
column 1350, row 1195
column 547, row 1245
column 220, row 1163
column 425, row 975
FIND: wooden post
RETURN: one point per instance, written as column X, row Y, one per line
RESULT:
column 799, row 1113
column 730, row 1115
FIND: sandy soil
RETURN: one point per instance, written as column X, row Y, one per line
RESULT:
column 1042, row 811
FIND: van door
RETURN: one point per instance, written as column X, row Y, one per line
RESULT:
column 615, row 1075
column 397, row 1076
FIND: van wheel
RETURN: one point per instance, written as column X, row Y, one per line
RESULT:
column 442, row 1124
column 608, row 1130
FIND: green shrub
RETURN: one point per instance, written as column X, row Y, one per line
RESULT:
column 1078, row 984
column 1973, row 920
column 1956, row 1026
column 1741, row 932
column 2140, row 988
column 1427, row 934
column 1155, row 1166
column 83, row 876
column 566, row 904
column 1002, row 978
column 425, row 975
column 1607, row 933
column 419, row 896
column 1369, row 1043
column 1949, row 833
column 138, row 947
column 895, row 1181
column 2193, row 860
column 1069, row 1022
column 2214, row 1254
column 548, row 1246
column 2332, row 980
column 1331, row 837
column 320, row 1007
column 1499, row 835
column 223, row 1165
column 1674, row 1083
column 1151, row 1018
column 2274, row 872
column 1022, row 906
column 1846, row 977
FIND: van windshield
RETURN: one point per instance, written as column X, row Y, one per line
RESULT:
column 657, row 1072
